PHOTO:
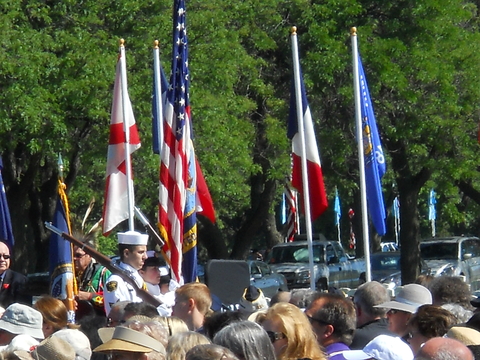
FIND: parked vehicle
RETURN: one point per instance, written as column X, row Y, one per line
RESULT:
column 264, row 278
column 385, row 268
column 331, row 263
column 454, row 256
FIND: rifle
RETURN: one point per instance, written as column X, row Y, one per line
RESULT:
column 108, row 263
column 151, row 231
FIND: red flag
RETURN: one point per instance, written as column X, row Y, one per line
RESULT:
column 203, row 194
column 115, row 208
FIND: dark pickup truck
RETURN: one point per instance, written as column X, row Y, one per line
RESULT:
column 332, row 265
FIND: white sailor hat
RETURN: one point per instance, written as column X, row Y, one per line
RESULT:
column 132, row 238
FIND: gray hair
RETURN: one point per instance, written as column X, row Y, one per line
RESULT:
column 247, row 340
column 370, row 294
column 302, row 298
column 461, row 314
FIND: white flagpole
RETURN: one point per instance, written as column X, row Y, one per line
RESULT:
column 361, row 157
column 301, row 131
column 126, row 130
column 158, row 95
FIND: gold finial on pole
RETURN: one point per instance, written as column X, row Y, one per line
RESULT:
column 155, row 44
column 122, row 42
column 294, row 30
column 353, row 31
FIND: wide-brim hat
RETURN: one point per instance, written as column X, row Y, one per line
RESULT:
column 22, row 319
column 48, row 349
column 465, row 335
column 409, row 299
column 132, row 238
column 383, row 347
column 125, row 339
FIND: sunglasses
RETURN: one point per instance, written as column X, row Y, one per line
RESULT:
column 5, row 256
column 394, row 311
column 79, row 256
column 274, row 336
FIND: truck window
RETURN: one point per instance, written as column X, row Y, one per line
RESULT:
column 295, row 254
column 439, row 251
column 340, row 253
column 331, row 256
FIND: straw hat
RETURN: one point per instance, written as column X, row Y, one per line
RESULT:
column 125, row 339
column 48, row 349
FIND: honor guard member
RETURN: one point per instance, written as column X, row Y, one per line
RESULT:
column 132, row 248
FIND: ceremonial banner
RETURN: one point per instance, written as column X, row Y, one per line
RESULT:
column 116, row 206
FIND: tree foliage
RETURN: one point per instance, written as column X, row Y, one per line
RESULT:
column 422, row 63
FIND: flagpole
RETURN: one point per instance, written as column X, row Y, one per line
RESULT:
column 361, row 157
column 126, row 131
column 301, row 131
column 158, row 95
column 396, row 215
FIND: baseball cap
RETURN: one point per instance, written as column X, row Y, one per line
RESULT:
column 409, row 299
column 383, row 347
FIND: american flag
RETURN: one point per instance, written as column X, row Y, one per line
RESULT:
column 291, row 202
column 176, row 147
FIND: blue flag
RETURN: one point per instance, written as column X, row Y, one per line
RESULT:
column 432, row 201
column 338, row 210
column 375, row 166
column 61, row 269
column 6, row 232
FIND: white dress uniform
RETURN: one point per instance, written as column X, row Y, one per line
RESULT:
column 116, row 289
column 167, row 300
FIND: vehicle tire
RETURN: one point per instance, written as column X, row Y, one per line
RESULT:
column 322, row 284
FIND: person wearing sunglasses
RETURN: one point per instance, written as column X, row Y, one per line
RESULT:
column 12, row 284
column 91, row 276
column 291, row 334
column 405, row 304
column 333, row 319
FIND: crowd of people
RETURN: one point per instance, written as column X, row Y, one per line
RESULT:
column 433, row 319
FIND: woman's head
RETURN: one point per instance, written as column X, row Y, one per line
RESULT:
column 54, row 312
column 181, row 342
column 291, row 333
column 428, row 322
column 247, row 340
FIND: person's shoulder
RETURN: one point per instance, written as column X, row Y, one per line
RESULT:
column 16, row 275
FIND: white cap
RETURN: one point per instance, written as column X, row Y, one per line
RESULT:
column 132, row 238
column 383, row 347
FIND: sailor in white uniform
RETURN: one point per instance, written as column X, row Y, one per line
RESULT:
column 132, row 247
column 151, row 273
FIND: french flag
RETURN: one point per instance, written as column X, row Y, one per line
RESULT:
column 316, row 186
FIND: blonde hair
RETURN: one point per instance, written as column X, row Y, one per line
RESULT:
column 181, row 342
column 301, row 340
column 172, row 324
column 198, row 292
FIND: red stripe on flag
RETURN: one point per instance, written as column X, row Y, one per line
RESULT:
column 318, row 196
